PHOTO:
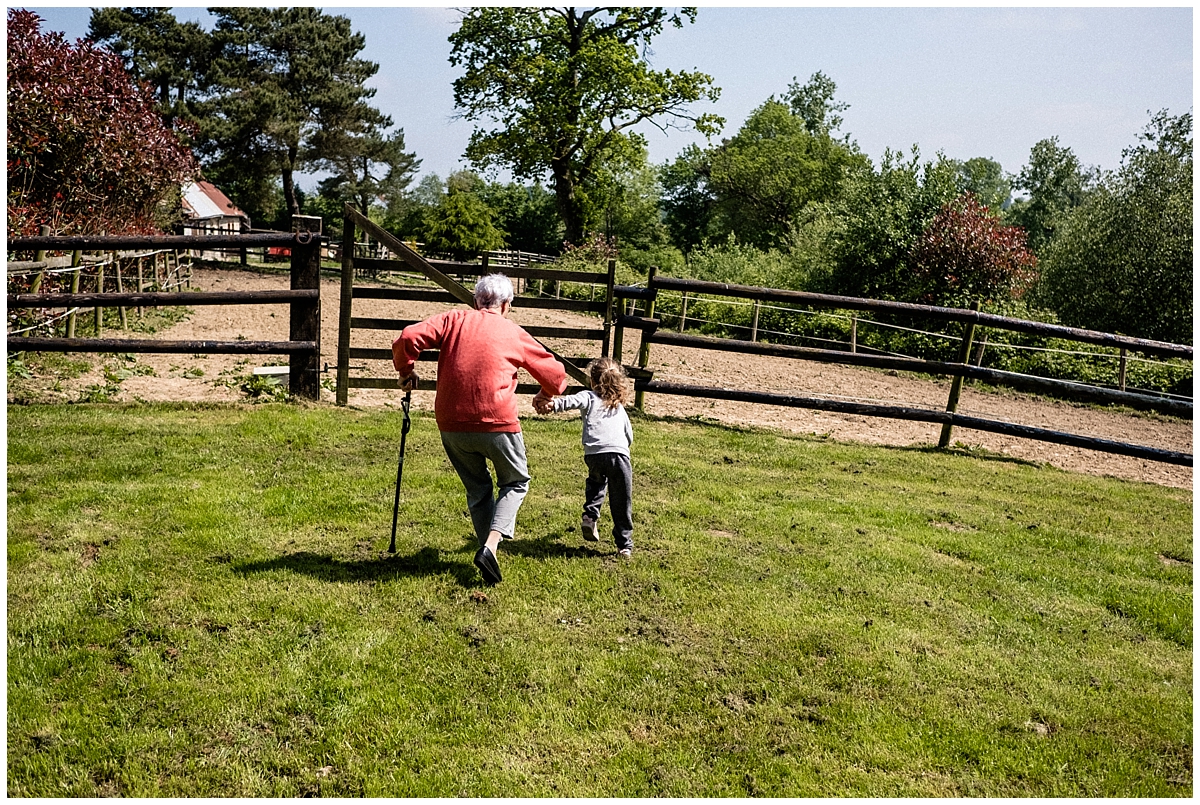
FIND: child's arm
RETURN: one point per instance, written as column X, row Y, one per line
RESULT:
column 580, row 401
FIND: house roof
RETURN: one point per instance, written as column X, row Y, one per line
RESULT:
column 203, row 200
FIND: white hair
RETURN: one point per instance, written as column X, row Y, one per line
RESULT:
column 492, row 291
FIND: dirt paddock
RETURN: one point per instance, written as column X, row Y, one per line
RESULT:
column 194, row 378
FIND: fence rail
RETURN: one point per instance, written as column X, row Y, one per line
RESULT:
column 961, row 315
column 652, row 334
column 304, row 339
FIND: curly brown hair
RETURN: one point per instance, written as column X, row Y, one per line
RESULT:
column 608, row 382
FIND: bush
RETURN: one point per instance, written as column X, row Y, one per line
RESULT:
column 87, row 149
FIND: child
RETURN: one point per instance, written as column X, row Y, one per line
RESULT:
column 607, row 436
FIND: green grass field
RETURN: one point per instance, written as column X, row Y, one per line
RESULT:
column 200, row 603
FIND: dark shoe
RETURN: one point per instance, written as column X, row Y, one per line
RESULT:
column 485, row 560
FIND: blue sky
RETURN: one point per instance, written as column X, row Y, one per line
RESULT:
column 969, row 82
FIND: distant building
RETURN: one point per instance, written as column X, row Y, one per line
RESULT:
column 208, row 211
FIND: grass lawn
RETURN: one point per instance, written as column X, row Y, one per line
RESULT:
column 200, row 603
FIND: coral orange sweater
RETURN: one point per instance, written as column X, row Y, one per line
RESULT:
column 477, row 368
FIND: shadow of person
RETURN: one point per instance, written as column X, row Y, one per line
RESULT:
column 549, row 546
column 427, row 561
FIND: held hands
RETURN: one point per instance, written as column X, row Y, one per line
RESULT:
column 408, row 382
column 543, row 403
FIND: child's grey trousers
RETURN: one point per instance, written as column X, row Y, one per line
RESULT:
column 611, row 473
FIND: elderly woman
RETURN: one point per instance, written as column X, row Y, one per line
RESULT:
column 476, row 404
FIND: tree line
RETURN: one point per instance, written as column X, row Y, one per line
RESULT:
column 555, row 95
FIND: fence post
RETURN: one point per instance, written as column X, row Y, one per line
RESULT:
column 644, row 349
column 754, row 324
column 344, row 307
column 305, row 325
column 1121, row 370
column 76, row 262
column 120, row 289
column 39, row 256
column 140, row 286
column 964, row 353
column 978, row 361
column 608, row 309
column 854, row 333
column 683, row 312
column 99, row 312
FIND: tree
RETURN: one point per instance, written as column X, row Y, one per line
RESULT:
column 567, row 87
column 813, row 103
column 966, row 254
column 626, row 197
column 368, row 168
column 1056, row 184
column 1122, row 261
column 282, row 76
column 462, row 224
column 527, row 215
column 87, row 149
column 171, row 56
column 985, row 179
column 771, row 170
column 868, row 234
column 688, row 202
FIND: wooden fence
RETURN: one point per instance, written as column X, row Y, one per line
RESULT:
column 451, row 291
column 970, row 319
column 304, row 340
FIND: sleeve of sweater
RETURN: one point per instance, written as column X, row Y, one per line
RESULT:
column 544, row 367
column 580, row 401
column 415, row 338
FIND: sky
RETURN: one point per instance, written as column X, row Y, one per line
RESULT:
column 964, row 81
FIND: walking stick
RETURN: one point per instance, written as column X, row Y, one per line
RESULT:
column 400, row 468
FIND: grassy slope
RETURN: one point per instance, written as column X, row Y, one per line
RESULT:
column 199, row 603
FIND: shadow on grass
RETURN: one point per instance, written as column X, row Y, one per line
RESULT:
column 550, row 546
column 427, row 561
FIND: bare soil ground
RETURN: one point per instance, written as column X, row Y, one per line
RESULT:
column 197, row 378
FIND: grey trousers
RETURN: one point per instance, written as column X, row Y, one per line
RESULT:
column 610, row 474
column 469, row 454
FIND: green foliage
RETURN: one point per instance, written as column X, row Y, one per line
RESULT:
column 739, row 264
column 986, row 180
column 1122, row 261
column 172, row 57
column 567, row 87
column 370, row 168
column 814, row 104
column 527, row 216
column 87, row 150
column 203, row 606
column 866, row 236
column 771, row 170
column 1056, row 184
column 688, row 203
column 462, row 226
column 624, row 204
column 761, row 184
column 288, row 93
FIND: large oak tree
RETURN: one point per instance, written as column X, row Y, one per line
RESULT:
column 565, row 88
